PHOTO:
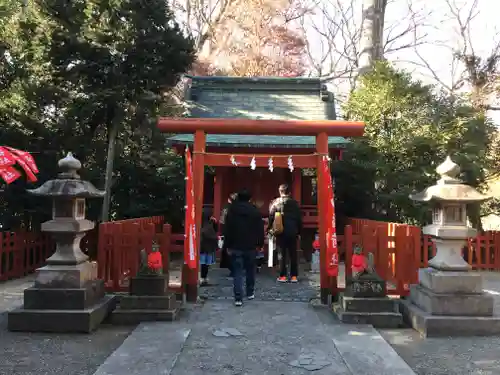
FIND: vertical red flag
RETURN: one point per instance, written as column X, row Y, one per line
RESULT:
column 190, row 250
column 332, row 252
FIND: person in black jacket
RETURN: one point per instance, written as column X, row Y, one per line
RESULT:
column 286, row 242
column 243, row 235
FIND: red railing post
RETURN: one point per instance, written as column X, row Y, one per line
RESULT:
column 382, row 263
column 348, row 244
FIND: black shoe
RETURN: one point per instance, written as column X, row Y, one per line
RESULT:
column 238, row 303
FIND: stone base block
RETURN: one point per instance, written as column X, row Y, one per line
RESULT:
column 365, row 286
column 149, row 285
column 439, row 325
column 451, row 304
column 61, row 321
column 126, row 317
column 376, row 319
column 450, row 281
column 368, row 305
column 64, row 299
column 66, row 277
column 167, row 302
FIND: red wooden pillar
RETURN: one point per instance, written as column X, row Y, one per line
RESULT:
column 218, row 184
column 198, row 181
column 322, row 150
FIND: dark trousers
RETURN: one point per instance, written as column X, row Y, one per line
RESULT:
column 204, row 270
column 243, row 261
column 287, row 247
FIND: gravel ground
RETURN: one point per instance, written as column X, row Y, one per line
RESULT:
column 50, row 354
column 446, row 356
column 451, row 356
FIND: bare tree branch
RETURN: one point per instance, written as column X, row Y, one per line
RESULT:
column 468, row 71
column 332, row 31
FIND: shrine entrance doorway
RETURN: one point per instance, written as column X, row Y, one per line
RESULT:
column 200, row 127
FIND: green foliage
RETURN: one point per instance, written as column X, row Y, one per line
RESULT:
column 409, row 131
column 76, row 69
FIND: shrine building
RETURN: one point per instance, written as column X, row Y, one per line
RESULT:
column 261, row 98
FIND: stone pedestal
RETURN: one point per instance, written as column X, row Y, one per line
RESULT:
column 149, row 300
column 365, row 302
column 63, row 299
column 450, row 303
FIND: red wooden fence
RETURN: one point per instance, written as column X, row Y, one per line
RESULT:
column 120, row 243
column 23, row 252
column 399, row 249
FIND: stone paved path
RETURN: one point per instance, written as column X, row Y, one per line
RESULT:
column 266, row 287
column 260, row 338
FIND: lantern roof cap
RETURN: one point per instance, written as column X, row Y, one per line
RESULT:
column 68, row 183
column 449, row 188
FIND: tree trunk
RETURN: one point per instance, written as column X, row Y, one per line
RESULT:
column 372, row 34
column 108, row 179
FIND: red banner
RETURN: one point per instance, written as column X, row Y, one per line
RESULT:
column 190, row 250
column 332, row 251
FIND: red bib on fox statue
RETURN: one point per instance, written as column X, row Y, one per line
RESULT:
column 155, row 261
column 359, row 263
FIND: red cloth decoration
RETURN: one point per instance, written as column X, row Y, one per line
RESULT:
column 9, row 174
column 316, row 245
column 26, row 157
column 359, row 263
column 155, row 261
column 6, row 158
column 25, row 160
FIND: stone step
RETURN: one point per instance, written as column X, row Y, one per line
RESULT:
column 131, row 317
column 458, row 304
column 57, row 321
column 376, row 319
column 64, row 299
column 429, row 325
column 369, row 304
column 167, row 302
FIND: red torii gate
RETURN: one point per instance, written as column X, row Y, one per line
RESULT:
column 322, row 129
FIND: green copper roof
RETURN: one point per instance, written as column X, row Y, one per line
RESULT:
column 261, row 141
column 259, row 98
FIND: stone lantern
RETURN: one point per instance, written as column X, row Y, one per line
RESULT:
column 449, row 299
column 449, row 227
column 66, row 296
